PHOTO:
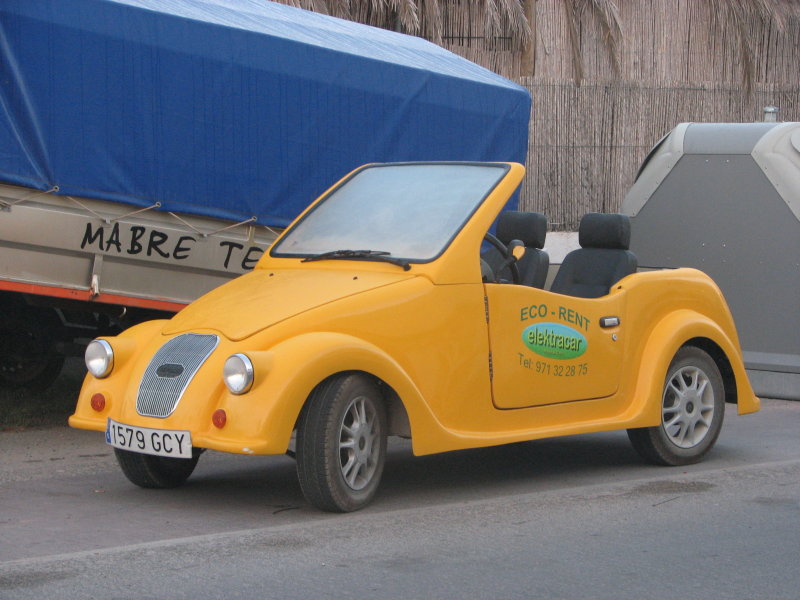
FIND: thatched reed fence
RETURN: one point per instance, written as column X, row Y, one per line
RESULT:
column 586, row 143
column 609, row 78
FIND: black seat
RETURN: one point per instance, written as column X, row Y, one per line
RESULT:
column 531, row 229
column 602, row 260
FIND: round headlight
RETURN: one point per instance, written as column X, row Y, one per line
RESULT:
column 99, row 358
column 238, row 374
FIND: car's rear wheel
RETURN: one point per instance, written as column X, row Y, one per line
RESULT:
column 341, row 443
column 149, row 471
column 692, row 410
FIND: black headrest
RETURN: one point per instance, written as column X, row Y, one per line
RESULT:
column 528, row 227
column 599, row 230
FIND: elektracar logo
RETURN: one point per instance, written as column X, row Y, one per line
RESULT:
column 554, row 340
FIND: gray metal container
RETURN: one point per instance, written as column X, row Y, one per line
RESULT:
column 725, row 198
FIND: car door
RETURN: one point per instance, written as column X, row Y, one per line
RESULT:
column 548, row 348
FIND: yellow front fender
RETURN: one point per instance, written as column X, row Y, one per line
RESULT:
column 285, row 376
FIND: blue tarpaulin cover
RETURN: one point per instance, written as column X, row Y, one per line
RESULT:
column 231, row 108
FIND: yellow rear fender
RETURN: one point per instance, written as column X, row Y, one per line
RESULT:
column 286, row 375
column 675, row 330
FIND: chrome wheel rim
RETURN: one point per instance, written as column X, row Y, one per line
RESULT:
column 687, row 407
column 359, row 443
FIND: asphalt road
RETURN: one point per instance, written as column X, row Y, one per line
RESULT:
column 578, row 517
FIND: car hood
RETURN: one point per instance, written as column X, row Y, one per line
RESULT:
column 254, row 301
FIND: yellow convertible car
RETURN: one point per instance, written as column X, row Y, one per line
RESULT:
column 388, row 308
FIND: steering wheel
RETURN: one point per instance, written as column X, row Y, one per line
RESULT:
column 509, row 260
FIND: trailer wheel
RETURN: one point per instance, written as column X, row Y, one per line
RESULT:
column 28, row 355
column 692, row 409
column 156, row 472
column 341, row 443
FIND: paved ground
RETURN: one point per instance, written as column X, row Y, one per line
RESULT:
column 564, row 518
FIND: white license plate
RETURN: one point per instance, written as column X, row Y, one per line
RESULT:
column 159, row 442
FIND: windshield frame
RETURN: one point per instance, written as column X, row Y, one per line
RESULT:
column 502, row 169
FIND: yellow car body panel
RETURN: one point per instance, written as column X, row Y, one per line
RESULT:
column 451, row 349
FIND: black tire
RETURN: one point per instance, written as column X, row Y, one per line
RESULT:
column 692, row 411
column 156, row 472
column 28, row 355
column 341, row 443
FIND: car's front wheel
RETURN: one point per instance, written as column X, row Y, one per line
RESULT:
column 149, row 471
column 692, row 409
column 341, row 443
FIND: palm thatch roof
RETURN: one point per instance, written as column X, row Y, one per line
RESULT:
column 506, row 35
column 739, row 16
column 429, row 18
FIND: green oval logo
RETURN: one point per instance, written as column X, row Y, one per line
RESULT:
column 554, row 340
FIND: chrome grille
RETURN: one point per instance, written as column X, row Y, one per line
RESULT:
column 170, row 371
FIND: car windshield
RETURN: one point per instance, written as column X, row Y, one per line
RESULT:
column 403, row 211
